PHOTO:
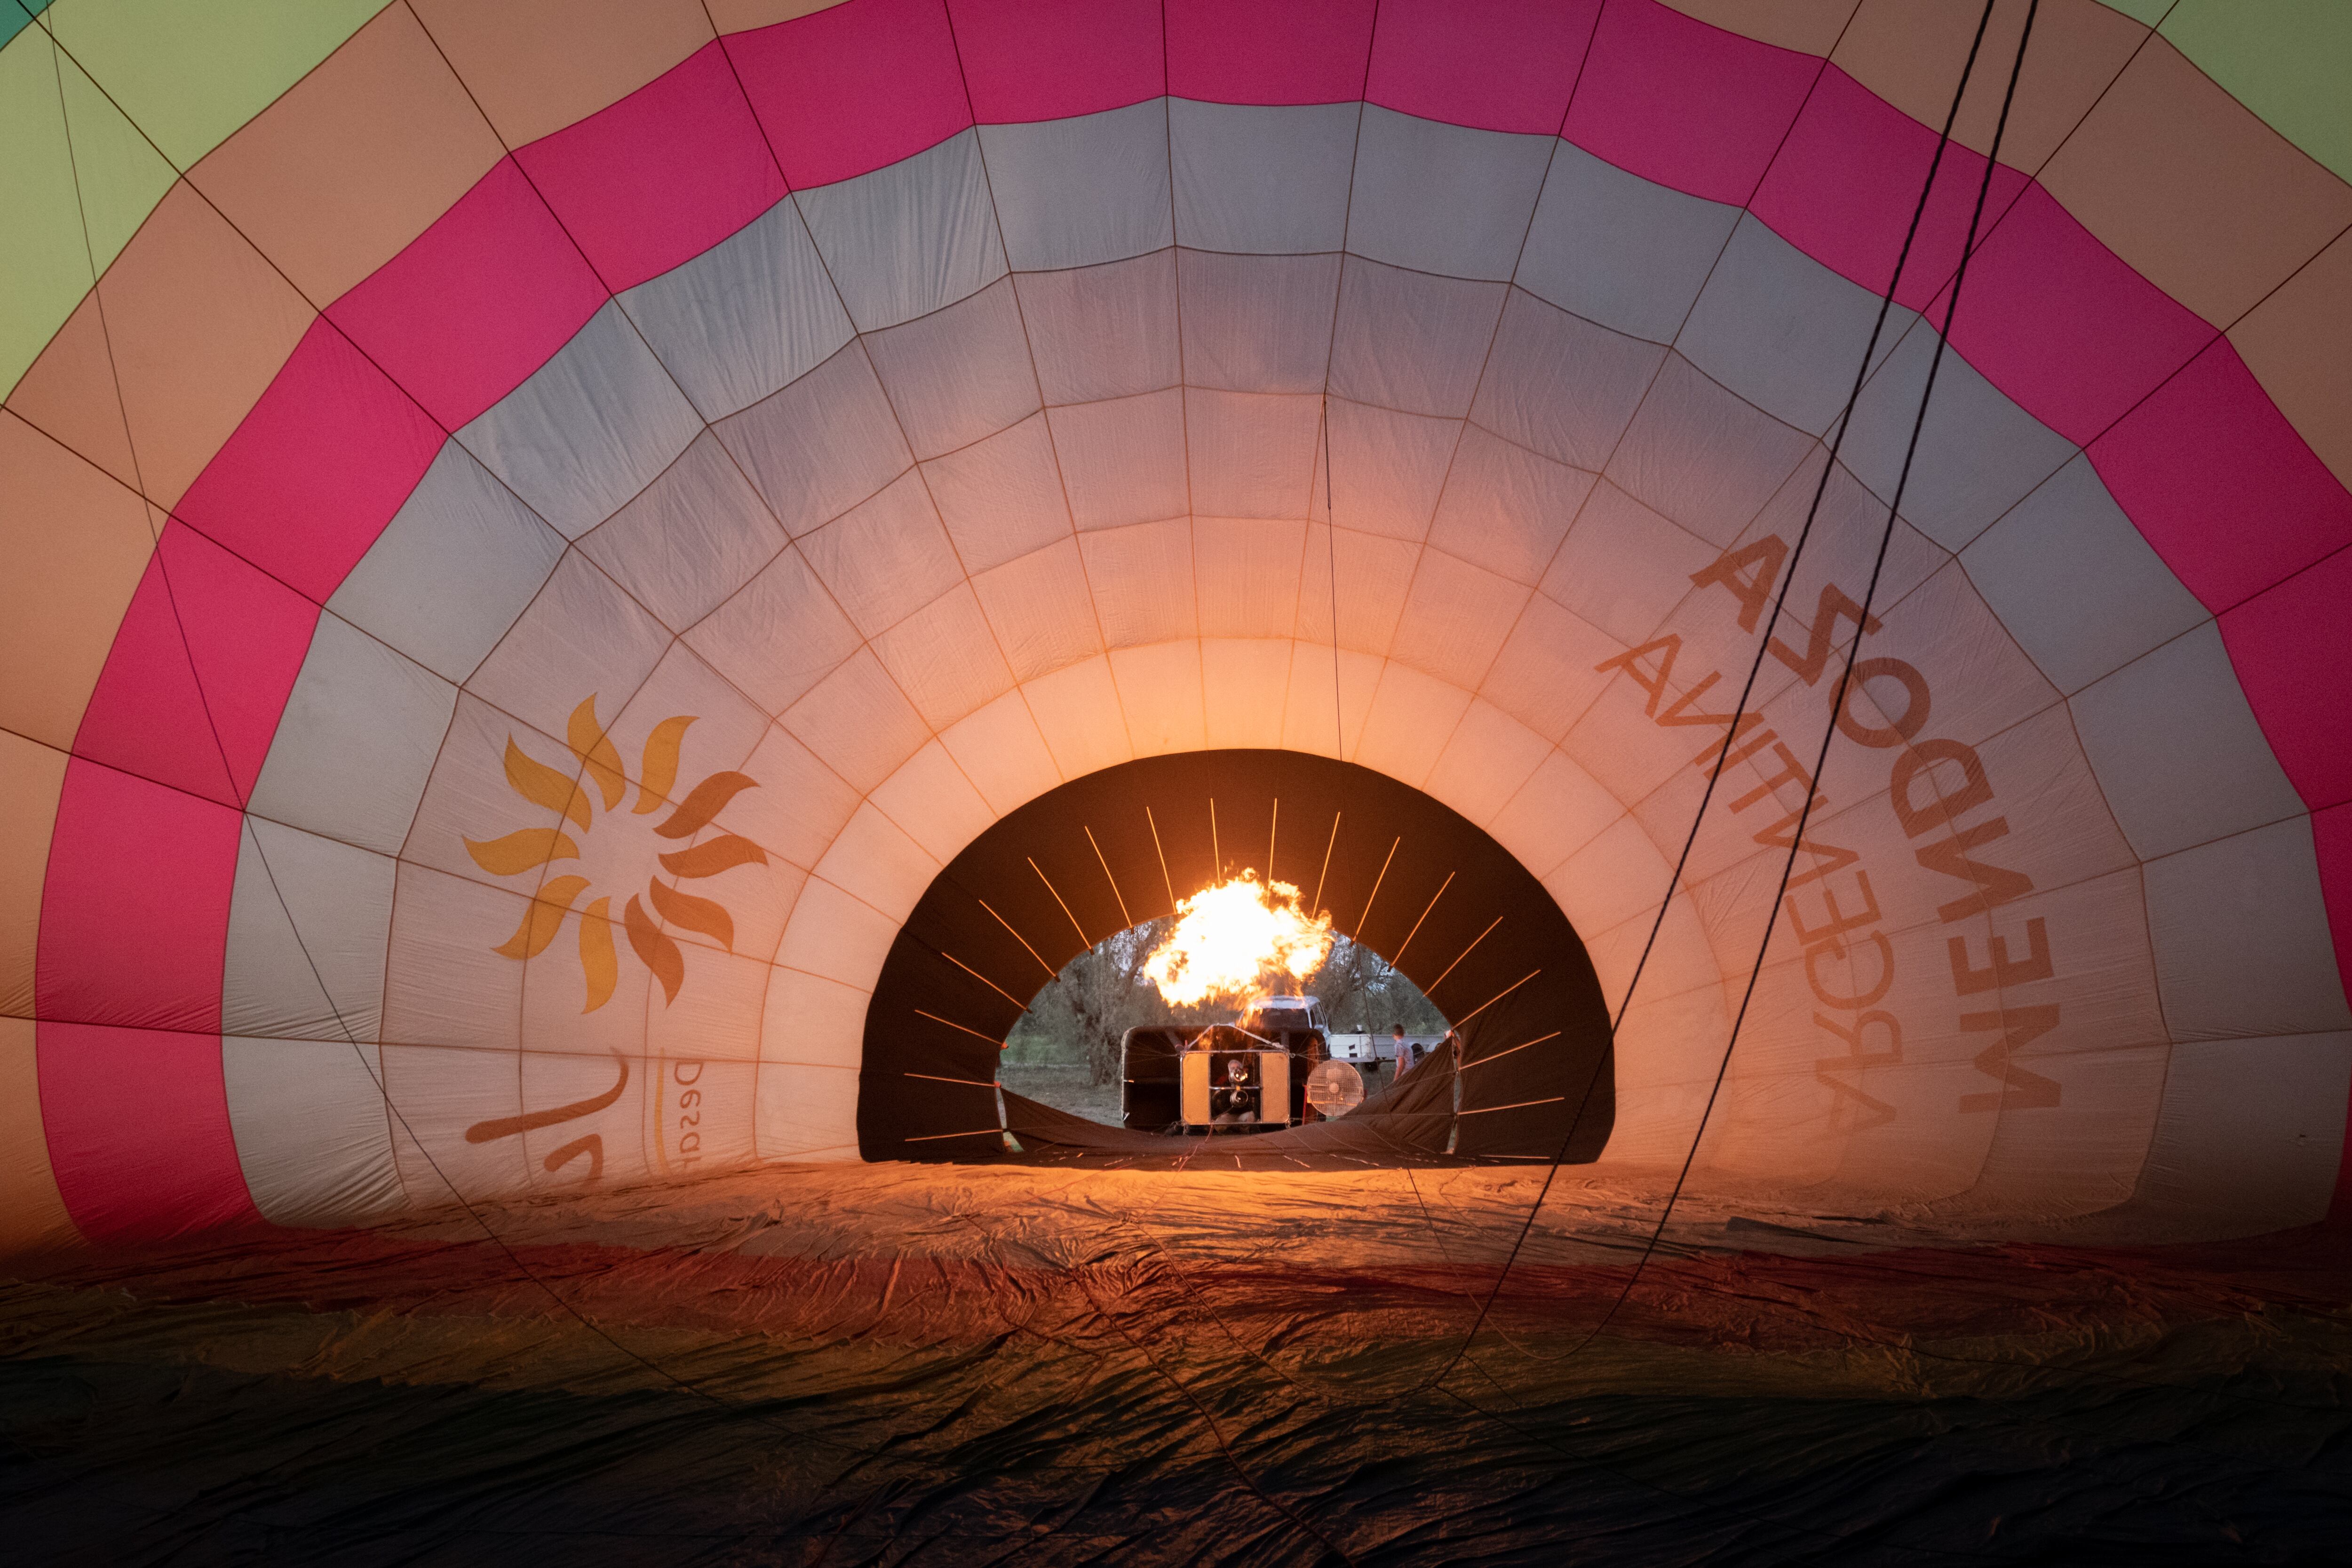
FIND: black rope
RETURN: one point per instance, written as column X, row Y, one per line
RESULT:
column 1755, row 669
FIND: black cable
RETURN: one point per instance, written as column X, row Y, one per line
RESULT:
column 1845, row 674
column 1844, row 421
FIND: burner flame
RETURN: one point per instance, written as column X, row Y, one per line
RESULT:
column 1233, row 939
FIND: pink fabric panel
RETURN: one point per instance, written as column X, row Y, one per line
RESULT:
column 2065, row 327
column 1251, row 51
column 1047, row 60
column 316, row 469
column 2331, row 833
column 246, row 634
column 2292, row 650
column 1843, row 187
column 661, row 176
column 134, row 913
column 476, row 302
column 1685, row 104
column 853, row 89
column 2221, row 484
column 1498, row 65
column 145, row 714
column 139, row 1132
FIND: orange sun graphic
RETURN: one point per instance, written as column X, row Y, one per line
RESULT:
column 527, row 849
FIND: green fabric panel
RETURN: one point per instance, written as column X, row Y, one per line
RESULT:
column 2290, row 61
column 191, row 74
column 41, row 248
column 2147, row 13
column 15, row 16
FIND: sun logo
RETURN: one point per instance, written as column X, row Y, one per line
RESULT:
column 527, row 850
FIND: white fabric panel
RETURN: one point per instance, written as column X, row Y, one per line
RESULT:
column 1748, row 454
column 1077, row 712
column 876, row 862
column 905, row 240
column 1122, row 460
column 1252, row 453
column 1412, row 716
column 1486, row 758
column 452, row 569
column 1979, row 452
column 2251, row 1132
column 959, row 373
column 1312, row 712
column 810, row 1021
column 321, row 972
column 779, row 635
column 1410, row 341
column 1506, row 509
column 1247, row 573
column 2060, row 820
column 1000, row 749
column 356, row 741
column 589, row 429
column 1256, row 323
column 858, row 723
column 1374, row 573
column 1386, row 471
column 800, row 805
column 807, row 1113
column 822, row 444
column 1271, row 180
column 1001, row 497
column 1783, row 331
column 1563, row 385
column 726, row 728
column 312, row 1135
column 1091, row 188
column 689, row 538
column 933, row 803
column 1142, row 582
column 838, row 935
column 1041, row 609
column 885, row 557
column 1159, row 693
column 443, row 983
column 1443, row 198
column 1618, row 250
column 751, row 314
column 945, row 658
column 1623, row 566
column 2241, row 938
column 1103, row 331
column 2075, row 583
column 1981, row 683
column 582, row 634
column 1456, row 617
column 1242, row 688
column 1562, row 809
column 2178, row 753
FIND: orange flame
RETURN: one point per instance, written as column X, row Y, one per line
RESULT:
column 1232, row 939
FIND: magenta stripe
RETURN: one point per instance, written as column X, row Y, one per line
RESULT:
column 1845, row 185
column 853, row 89
column 305, row 484
column 1684, row 104
column 1498, row 65
column 476, row 302
column 1248, row 51
column 248, row 634
column 135, row 914
column 661, row 176
column 147, row 1153
column 2221, row 482
column 1051, row 59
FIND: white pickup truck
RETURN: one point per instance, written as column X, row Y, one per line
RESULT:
column 1366, row 1050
